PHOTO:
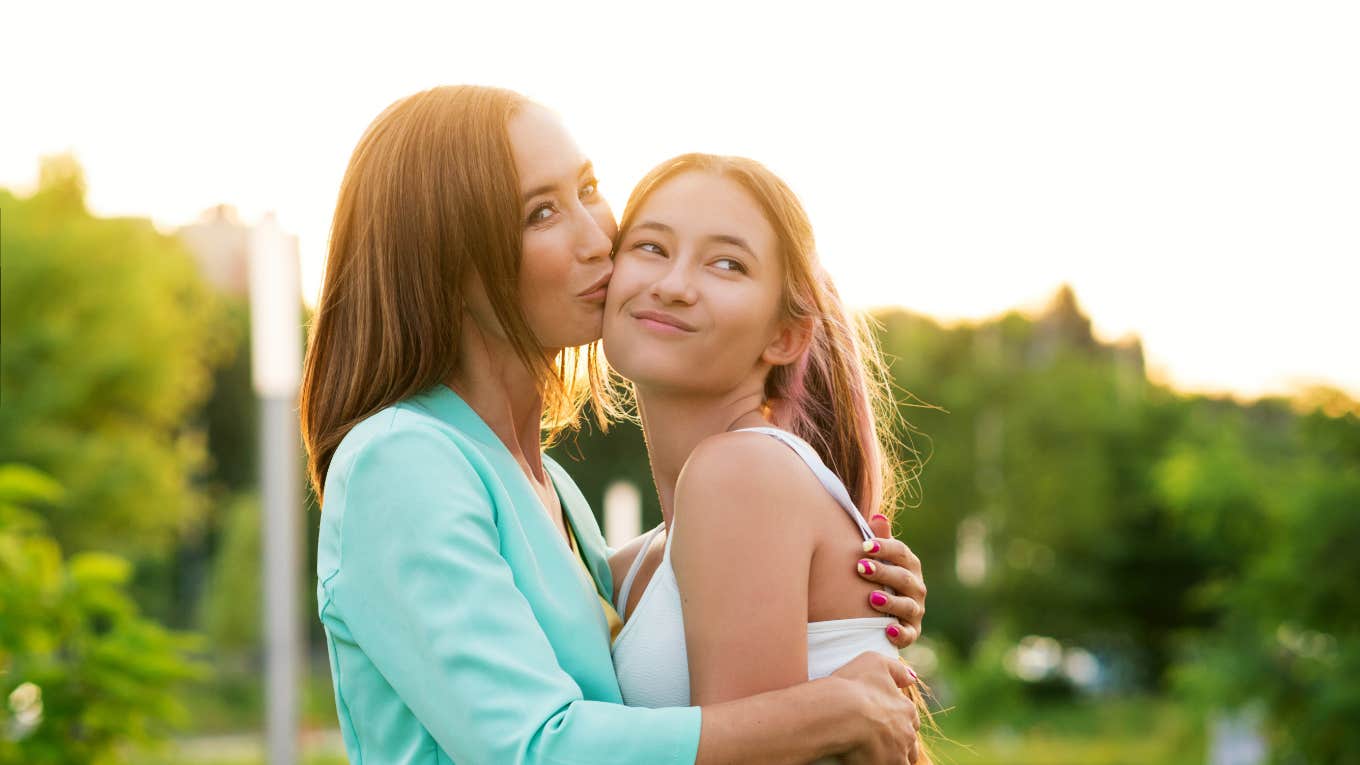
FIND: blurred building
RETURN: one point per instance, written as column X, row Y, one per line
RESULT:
column 219, row 241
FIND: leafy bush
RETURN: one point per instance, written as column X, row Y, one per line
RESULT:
column 83, row 675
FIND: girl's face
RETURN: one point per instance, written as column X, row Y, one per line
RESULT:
column 695, row 300
column 568, row 232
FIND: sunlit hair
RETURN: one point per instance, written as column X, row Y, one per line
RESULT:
column 837, row 396
column 429, row 205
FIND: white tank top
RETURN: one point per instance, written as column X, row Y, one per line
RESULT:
column 649, row 653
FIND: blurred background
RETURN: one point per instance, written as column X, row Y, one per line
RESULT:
column 1113, row 251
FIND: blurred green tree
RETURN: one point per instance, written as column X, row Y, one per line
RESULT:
column 1287, row 640
column 109, row 336
column 84, row 676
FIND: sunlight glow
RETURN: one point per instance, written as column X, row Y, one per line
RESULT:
column 1188, row 167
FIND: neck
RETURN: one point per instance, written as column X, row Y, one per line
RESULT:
column 503, row 391
column 675, row 422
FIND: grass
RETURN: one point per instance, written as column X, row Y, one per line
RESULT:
column 1110, row 732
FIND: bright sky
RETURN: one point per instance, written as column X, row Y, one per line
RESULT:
column 1191, row 168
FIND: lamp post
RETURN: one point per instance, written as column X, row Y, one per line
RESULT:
column 276, row 364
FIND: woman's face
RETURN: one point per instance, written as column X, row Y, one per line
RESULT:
column 695, row 299
column 568, row 232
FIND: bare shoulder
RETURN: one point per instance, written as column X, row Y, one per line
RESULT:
column 752, row 471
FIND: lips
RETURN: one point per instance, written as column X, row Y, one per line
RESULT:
column 598, row 287
column 664, row 318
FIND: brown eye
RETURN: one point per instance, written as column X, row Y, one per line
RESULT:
column 734, row 265
column 540, row 214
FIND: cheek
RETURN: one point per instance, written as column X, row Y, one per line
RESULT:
column 544, row 266
column 744, row 323
column 628, row 280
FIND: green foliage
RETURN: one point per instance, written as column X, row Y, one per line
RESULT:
column 84, row 675
column 230, row 607
column 1289, row 639
column 109, row 335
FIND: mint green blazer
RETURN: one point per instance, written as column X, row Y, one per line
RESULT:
column 459, row 625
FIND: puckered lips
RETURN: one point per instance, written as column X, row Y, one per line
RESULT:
column 596, row 292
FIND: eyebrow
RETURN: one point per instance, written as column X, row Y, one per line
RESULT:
column 588, row 168
column 735, row 241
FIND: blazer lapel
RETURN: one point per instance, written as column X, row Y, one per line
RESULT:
column 450, row 407
column 582, row 521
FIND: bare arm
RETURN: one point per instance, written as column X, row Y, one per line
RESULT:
column 859, row 712
column 742, row 552
column 745, row 604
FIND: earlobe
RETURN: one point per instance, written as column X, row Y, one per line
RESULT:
column 792, row 342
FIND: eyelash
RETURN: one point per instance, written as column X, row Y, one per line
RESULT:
column 589, row 190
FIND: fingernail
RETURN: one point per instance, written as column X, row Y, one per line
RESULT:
column 913, row 675
column 893, row 631
column 872, row 546
column 878, row 598
column 866, row 567
column 877, row 516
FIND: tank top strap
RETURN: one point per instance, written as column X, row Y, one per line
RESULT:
column 621, row 603
column 829, row 480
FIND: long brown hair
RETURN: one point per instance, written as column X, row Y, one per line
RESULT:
column 430, row 199
column 837, row 395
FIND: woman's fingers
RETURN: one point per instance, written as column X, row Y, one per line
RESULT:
column 894, row 576
column 901, row 593
column 893, row 552
column 880, row 525
column 906, row 610
column 892, row 566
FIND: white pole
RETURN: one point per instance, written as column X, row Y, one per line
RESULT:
column 276, row 364
column 622, row 513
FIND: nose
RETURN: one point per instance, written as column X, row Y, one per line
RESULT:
column 592, row 243
column 675, row 284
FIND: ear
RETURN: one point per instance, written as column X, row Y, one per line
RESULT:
column 791, row 342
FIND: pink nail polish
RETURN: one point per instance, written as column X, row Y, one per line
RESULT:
column 872, row 546
column 878, row 598
column 866, row 567
column 913, row 674
column 893, row 631
column 877, row 516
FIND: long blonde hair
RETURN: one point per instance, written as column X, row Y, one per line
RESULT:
column 430, row 199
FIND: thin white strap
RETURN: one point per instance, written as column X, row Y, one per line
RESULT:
column 622, row 602
column 829, row 480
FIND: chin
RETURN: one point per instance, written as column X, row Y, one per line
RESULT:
column 647, row 370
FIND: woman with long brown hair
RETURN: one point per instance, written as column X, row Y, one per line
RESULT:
column 767, row 410
column 462, row 579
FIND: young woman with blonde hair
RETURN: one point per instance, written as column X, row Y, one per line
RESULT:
column 767, row 414
column 462, row 579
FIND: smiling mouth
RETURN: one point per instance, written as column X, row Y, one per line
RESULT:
column 663, row 321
